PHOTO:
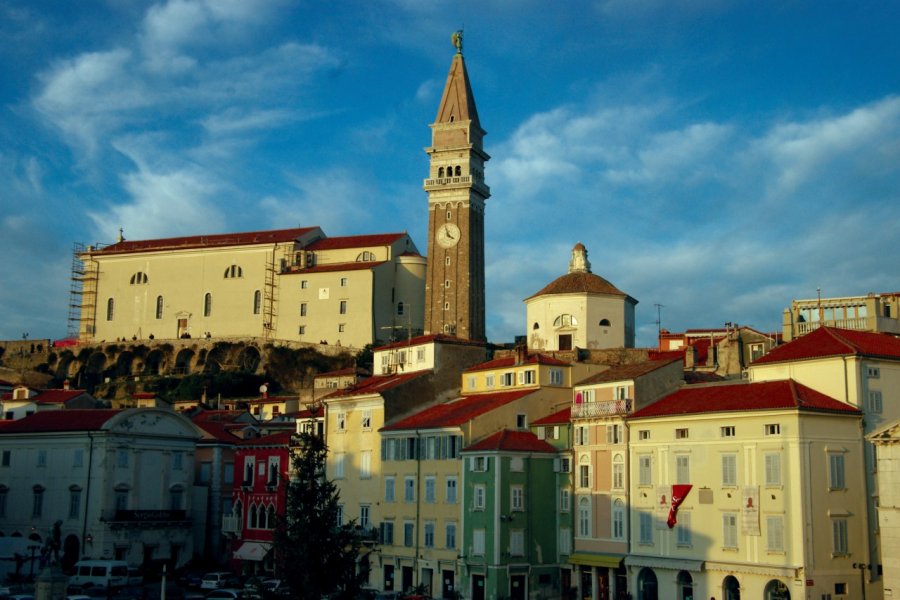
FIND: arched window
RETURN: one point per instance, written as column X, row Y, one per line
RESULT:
column 159, row 307
column 138, row 278
column 207, row 304
column 584, row 518
column 261, row 516
column 618, row 472
column 365, row 256
column 233, row 271
column 618, row 520
column 440, row 172
column 458, row 170
column 257, row 302
column 238, row 511
column 251, row 517
column 604, row 322
column 684, row 586
column 565, row 321
column 110, row 309
column 535, row 326
column 270, row 517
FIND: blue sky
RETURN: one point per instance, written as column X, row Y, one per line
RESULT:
column 719, row 158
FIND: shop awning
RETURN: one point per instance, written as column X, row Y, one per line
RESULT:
column 591, row 559
column 252, row 551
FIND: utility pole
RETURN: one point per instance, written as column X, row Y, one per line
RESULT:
column 659, row 308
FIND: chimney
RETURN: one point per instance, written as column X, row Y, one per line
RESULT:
column 66, row 384
column 521, row 354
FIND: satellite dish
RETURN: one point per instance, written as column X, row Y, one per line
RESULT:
column 264, row 388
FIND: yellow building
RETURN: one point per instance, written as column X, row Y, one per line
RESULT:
column 859, row 368
column 290, row 284
column 354, row 415
column 771, row 487
column 600, row 406
column 887, row 445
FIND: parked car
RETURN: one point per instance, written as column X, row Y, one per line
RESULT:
column 218, row 579
column 191, row 579
column 225, row 594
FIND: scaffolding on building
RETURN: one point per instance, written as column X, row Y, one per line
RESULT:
column 274, row 267
column 82, row 293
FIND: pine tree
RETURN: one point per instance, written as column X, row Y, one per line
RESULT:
column 316, row 555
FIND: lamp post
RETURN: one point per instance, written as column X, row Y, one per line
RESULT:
column 862, row 576
column 34, row 548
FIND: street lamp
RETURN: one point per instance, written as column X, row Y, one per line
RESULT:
column 862, row 576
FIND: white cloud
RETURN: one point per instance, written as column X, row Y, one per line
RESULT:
column 332, row 200
column 163, row 204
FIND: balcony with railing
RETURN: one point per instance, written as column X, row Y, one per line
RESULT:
column 231, row 524
column 608, row 408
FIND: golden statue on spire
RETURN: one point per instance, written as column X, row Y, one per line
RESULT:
column 457, row 39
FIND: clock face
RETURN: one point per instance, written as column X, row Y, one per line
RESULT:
column 448, row 235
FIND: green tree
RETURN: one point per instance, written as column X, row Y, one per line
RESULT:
column 316, row 555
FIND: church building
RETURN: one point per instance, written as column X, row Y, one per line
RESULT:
column 289, row 284
column 580, row 310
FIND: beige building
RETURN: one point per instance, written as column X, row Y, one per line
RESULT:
column 887, row 447
column 291, row 284
column 770, row 481
column 580, row 310
column 859, row 368
column 600, row 504
column 872, row 312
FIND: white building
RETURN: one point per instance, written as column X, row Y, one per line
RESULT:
column 580, row 310
column 119, row 482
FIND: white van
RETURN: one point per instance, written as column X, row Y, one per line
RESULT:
column 108, row 573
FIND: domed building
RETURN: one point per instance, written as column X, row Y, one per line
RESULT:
column 580, row 310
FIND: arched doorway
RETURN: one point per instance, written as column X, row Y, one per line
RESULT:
column 155, row 362
column 647, row 585
column 777, row 590
column 70, row 553
column 731, row 588
column 685, row 586
column 249, row 359
column 183, row 361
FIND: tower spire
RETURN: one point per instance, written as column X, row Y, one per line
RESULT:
column 454, row 286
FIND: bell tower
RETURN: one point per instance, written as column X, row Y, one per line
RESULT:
column 454, row 281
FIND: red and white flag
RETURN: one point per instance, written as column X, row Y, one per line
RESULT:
column 679, row 493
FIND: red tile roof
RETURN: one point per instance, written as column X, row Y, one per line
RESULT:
column 47, row 421
column 144, row 395
column 510, row 361
column 55, row 396
column 768, row 395
column 456, row 412
column 632, row 371
column 693, row 377
column 247, row 238
column 334, row 267
column 426, row 339
column 376, row 384
column 511, row 441
column 831, row 341
column 219, row 430
column 557, row 418
column 355, row 241
column 342, row 372
column 282, row 438
column 580, row 283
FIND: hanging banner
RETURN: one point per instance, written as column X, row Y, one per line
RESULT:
column 679, row 493
column 750, row 510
